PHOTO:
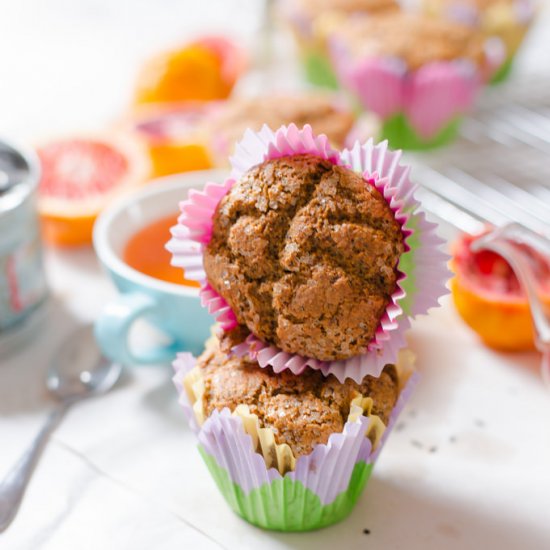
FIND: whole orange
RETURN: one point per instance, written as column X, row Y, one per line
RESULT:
column 205, row 69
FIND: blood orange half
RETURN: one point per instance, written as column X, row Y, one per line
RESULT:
column 489, row 297
column 79, row 176
column 175, row 137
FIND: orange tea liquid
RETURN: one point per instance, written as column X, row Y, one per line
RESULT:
column 145, row 251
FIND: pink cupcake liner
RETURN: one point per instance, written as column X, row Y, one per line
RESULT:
column 431, row 97
column 437, row 93
column 223, row 437
column 257, row 147
column 186, row 253
column 372, row 363
column 379, row 167
column 423, row 261
column 218, row 307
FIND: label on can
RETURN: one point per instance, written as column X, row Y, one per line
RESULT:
column 22, row 283
column 22, row 279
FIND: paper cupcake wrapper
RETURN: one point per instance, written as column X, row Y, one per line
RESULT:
column 368, row 364
column 400, row 135
column 379, row 167
column 321, row 490
column 430, row 97
column 423, row 263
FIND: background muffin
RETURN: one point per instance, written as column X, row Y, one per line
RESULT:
column 305, row 253
column 418, row 74
column 507, row 20
column 309, row 20
column 413, row 39
column 324, row 113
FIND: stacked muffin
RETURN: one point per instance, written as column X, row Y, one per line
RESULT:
column 313, row 260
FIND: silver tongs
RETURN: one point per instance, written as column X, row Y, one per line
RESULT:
column 504, row 241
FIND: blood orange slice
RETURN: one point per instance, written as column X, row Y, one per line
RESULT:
column 489, row 297
column 79, row 176
column 175, row 137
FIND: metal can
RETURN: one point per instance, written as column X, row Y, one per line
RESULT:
column 23, row 286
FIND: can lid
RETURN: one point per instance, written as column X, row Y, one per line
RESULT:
column 18, row 176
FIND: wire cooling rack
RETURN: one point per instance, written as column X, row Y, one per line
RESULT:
column 498, row 170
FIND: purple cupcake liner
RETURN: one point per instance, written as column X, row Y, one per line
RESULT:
column 326, row 471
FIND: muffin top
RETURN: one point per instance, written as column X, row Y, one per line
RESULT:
column 305, row 253
column 315, row 7
column 479, row 4
column 415, row 39
column 303, row 410
column 229, row 122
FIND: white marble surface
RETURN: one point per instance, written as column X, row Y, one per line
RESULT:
column 468, row 468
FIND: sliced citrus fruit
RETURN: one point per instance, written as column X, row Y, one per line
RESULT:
column 489, row 297
column 174, row 137
column 79, row 176
column 206, row 69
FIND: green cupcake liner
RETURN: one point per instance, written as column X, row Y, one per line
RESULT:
column 504, row 71
column 318, row 70
column 285, row 504
column 400, row 134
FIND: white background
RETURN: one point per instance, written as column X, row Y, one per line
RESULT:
column 122, row 472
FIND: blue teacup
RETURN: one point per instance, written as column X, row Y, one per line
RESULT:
column 173, row 309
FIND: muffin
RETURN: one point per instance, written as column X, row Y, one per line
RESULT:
column 418, row 74
column 309, row 21
column 319, row 256
column 301, row 411
column 324, row 253
column 507, row 20
column 305, row 253
column 228, row 122
column 272, row 441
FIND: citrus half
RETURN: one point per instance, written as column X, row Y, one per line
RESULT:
column 80, row 175
column 490, row 299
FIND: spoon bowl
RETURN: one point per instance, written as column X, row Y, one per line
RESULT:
column 79, row 370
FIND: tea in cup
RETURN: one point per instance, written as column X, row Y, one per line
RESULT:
column 129, row 240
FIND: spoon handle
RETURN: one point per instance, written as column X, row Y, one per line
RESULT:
column 15, row 483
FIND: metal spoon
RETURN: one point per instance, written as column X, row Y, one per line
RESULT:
column 78, row 370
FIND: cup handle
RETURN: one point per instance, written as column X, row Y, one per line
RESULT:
column 113, row 326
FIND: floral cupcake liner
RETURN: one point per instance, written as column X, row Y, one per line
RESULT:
column 379, row 167
column 420, row 108
column 323, row 486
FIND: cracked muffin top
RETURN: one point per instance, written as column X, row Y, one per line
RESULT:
column 306, row 254
column 303, row 410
